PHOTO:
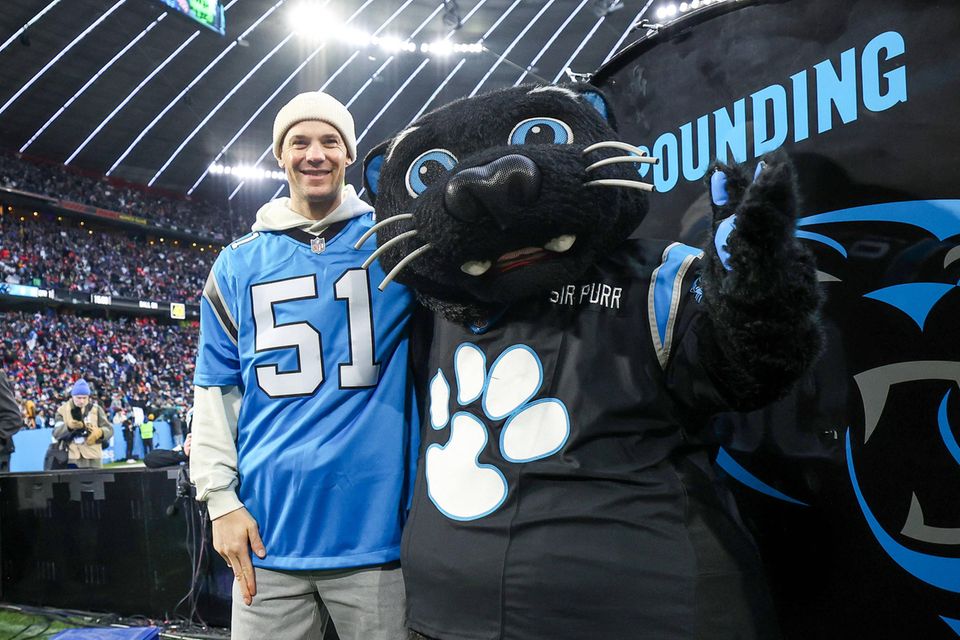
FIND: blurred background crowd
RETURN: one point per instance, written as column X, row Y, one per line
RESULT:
column 48, row 251
column 192, row 216
column 130, row 360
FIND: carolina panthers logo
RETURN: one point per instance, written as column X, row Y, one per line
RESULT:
column 457, row 483
column 919, row 281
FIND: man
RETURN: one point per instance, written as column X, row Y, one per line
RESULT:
column 305, row 433
column 85, row 425
column 176, row 427
column 146, row 435
column 10, row 422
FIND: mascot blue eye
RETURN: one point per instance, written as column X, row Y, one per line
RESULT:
column 429, row 167
column 541, row 131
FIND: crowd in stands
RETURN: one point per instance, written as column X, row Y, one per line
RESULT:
column 39, row 251
column 129, row 362
column 193, row 216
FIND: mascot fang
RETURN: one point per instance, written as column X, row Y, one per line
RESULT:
column 569, row 373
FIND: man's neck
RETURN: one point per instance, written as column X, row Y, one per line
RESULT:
column 315, row 210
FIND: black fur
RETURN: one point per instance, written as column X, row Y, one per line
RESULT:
column 764, row 311
column 764, row 326
column 476, row 132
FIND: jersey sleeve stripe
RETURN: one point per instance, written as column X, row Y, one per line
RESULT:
column 664, row 296
column 211, row 291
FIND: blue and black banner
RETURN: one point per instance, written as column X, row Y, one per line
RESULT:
column 852, row 482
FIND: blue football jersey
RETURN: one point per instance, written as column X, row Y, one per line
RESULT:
column 327, row 431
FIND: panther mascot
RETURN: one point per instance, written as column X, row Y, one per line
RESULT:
column 569, row 373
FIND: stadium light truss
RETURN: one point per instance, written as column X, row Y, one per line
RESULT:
column 92, row 79
column 416, row 72
column 436, row 47
column 130, row 96
column 576, row 52
column 625, row 33
column 556, row 33
column 16, row 34
column 506, row 52
column 193, row 82
column 216, row 108
column 227, row 97
column 459, row 65
column 245, row 172
column 62, row 53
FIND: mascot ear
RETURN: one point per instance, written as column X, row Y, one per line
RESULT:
column 371, row 169
column 593, row 97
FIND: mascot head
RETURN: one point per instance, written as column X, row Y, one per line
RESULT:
column 492, row 199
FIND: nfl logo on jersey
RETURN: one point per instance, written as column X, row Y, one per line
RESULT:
column 317, row 245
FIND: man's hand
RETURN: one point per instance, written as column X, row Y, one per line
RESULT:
column 76, row 425
column 95, row 435
column 234, row 535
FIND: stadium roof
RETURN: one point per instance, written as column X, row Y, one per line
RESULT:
column 130, row 89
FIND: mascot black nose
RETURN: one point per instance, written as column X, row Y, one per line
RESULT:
column 496, row 189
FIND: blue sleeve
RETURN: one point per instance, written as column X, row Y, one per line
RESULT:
column 218, row 359
column 681, row 330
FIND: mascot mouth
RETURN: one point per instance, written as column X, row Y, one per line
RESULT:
column 520, row 257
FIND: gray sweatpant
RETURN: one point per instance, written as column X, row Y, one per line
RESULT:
column 365, row 604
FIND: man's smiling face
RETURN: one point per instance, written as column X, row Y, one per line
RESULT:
column 314, row 158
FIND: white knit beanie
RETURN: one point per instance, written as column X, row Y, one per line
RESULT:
column 315, row 105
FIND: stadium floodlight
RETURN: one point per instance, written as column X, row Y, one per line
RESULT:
column 62, row 53
column 305, row 19
column 373, row 37
column 216, row 108
column 441, row 47
column 245, row 172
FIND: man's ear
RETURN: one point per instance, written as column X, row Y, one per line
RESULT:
column 371, row 169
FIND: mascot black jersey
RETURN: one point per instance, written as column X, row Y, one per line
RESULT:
column 555, row 496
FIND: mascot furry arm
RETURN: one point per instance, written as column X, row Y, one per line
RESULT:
column 565, row 486
column 759, row 284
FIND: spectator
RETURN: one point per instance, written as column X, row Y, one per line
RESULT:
column 10, row 422
column 146, row 435
column 84, row 424
column 176, row 427
column 30, row 413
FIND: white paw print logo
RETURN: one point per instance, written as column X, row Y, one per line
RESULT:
column 461, row 487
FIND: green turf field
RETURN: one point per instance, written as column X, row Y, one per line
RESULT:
column 20, row 626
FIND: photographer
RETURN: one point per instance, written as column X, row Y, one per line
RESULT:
column 84, row 424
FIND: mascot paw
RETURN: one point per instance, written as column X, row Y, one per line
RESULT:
column 458, row 484
column 761, row 206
